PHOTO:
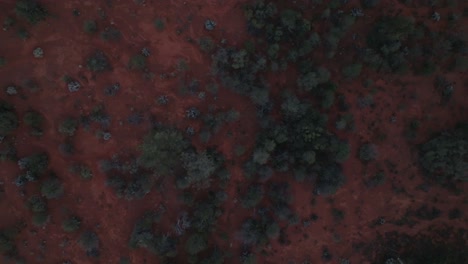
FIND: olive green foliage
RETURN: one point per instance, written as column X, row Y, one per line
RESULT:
column 3, row 61
column 367, row 152
column 8, row 118
column 252, row 197
column 89, row 241
column 196, row 243
column 7, row 240
column 445, row 157
column 111, row 34
column 34, row 166
column 90, row 26
column 34, row 120
column 162, row 150
column 352, row 70
column 199, row 167
column 71, row 224
column 159, row 24
column 207, row 212
column 259, row 231
column 37, row 204
column 281, row 197
column 31, row 10
column 68, row 126
column 52, row 188
column 40, row 219
column 143, row 236
column 137, row 62
column 296, row 142
column 98, row 62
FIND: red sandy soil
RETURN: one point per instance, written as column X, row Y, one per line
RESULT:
column 66, row 47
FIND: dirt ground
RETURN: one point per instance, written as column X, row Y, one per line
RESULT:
column 367, row 211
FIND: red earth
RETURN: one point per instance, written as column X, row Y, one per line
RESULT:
column 66, row 47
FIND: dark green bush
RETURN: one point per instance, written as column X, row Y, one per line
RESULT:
column 40, row 219
column 98, row 62
column 111, row 34
column 367, row 152
column 90, row 26
column 71, row 224
column 252, row 197
column 8, row 119
column 137, row 62
column 68, row 126
column 89, row 241
column 37, row 204
column 196, row 243
column 352, row 71
column 31, row 10
column 35, row 120
column 445, row 157
column 162, row 150
column 52, row 188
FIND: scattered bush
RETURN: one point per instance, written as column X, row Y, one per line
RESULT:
column 34, row 165
column 89, row 241
column 196, row 243
column 52, row 188
column 68, row 126
column 445, row 157
column 31, row 10
column 40, row 219
column 352, row 71
column 90, row 26
column 71, row 224
column 35, row 120
column 159, row 24
column 111, row 34
column 162, row 150
column 367, row 152
column 252, row 197
column 8, row 119
column 98, row 62
column 36, row 204
column 137, row 62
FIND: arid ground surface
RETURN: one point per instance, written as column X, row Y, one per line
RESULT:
column 350, row 225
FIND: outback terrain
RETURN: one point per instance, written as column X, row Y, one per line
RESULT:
column 224, row 131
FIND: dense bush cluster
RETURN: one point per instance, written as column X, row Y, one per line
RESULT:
column 8, row 119
column 445, row 157
column 31, row 10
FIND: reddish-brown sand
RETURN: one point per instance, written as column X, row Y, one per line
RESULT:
column 66, row 47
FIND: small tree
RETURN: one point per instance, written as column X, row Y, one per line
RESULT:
column 31, row 10
column 89, row 241
column 37, row 204
column 52, row 188
column 352, row 70
column 71, row 224
column 8, row 119
column 68, row 126
column 367, row 152
column 196, row 243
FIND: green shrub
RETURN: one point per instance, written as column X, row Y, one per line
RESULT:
column 52, row 188
column 40, row 219
column 89, row 241
column 68, row 126
column 367, row 152
column 196, row 243
column 34, row 165
column 90, row 26
column 8, row 119
column 252, row 197
column 111, row 34
column 35, row 120
column 445, row 157
column 159, row 24
column 31, row 10
column 162, row 150
column 98, row 62
column 71, row 224
column 3, row 61
column 36, row 204
column 137, row 62
column 352, row 71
